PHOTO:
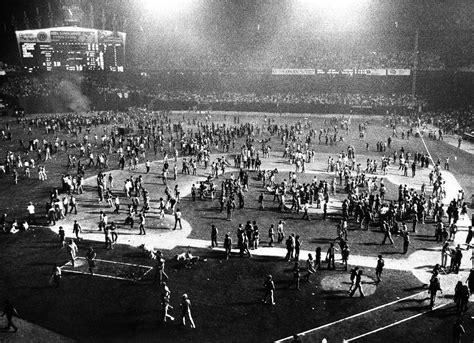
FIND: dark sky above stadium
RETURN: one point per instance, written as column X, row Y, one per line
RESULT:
column 458, row 13
column 148, row 21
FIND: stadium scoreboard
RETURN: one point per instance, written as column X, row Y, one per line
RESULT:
column 71, row 48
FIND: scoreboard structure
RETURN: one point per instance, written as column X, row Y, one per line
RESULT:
column 71, row 48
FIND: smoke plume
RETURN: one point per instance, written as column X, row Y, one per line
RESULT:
column 72, row 96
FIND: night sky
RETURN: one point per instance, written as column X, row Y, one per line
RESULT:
column 229, row 21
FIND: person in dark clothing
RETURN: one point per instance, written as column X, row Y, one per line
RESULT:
column 353, row 274
column 330, row 256
column 214, row 233
column 289, row 248
column 269, row 286
column 9, row 311
column 406, row 241
column 433, row 288
column 297, row 247
column 358, row 284
column 458, row 331
column 317, row 262
column 345, row 251
column 91, row 256
column 55, row 276
column 296, row 275
column 379, row 268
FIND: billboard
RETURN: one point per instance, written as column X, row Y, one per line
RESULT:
column 350, row 72
column 71, row 48
column 293, row 71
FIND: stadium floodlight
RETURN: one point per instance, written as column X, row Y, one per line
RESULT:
column 332, row 6
column 334, row 11
column 341, row 5
column 167, row 8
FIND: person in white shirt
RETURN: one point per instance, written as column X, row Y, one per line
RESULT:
column 31, row 213
column 177, row 219
column 72, row 250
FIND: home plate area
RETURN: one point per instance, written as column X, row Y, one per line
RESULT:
column 108, row 269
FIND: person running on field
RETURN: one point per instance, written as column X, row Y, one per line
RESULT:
column 353, row 275
column 186, row 311
column 358, row 284
column 165, row 304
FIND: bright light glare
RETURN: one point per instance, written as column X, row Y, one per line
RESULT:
column 167, row 7
column 330, row 5
column 340, row 13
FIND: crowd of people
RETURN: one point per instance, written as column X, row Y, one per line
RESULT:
column 451, row 121
column 308, row 57
column 26, row 86
column 195, row 140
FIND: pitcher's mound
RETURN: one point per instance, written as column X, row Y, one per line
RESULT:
column 340, row 283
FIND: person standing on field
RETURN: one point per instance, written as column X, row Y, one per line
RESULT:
column 269, row 290
column 76, row 229
column 388, row 233
column 296, row 275
column 330, row 256
column 160, row 267
column 55, row 276
column 260, row 201
column 177, row 219
column 214, row 233
column 379, row 268
column 227, row 245
column 62, row 236
column 142, row 224
column 91, row 256
column 9, row 311
column 458, row 331
column 271, row 235
column 406, row 241
column 31, row 213
column 72, row 251
column 186, row 311
column 433, row 288
column 309, row 267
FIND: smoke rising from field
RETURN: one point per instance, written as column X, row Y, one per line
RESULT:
column 71, row 94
